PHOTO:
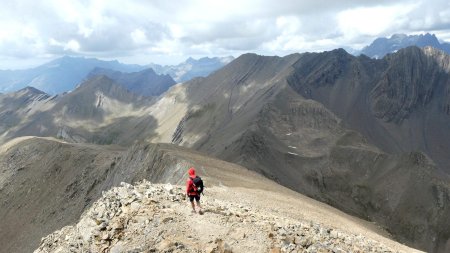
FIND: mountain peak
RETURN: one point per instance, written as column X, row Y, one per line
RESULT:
column 149, row 71
column 190, row 60
column 145, row 82
column 398, row 36
column 248, row 56
column 31, row 90
column 340, row 51
column 99, row 82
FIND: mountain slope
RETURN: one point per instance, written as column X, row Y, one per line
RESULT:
column 383, row 46
column 58, row 76
column 399, row 103
column 145, row 82
column 47, row 184
column 98, row 111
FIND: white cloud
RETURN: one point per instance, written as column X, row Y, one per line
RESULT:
column 154, row 29
column 72, row 45
column 139, row 37
column 372, row 21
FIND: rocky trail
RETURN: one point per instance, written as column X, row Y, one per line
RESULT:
column 150, row 217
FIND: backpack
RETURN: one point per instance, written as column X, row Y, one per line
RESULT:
column 198, row 184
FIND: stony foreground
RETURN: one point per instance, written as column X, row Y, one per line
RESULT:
column 157, row 218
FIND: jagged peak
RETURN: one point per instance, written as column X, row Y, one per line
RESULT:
column 98, row 82
column 248, row 55
column 31, row 90
column 149, row 71
column 253, row 57
column 398, row 36
column 339, row 52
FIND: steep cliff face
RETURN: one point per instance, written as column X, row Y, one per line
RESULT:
column 399, row 102
column 409, row 84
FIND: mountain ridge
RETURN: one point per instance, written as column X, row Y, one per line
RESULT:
column 127, row 213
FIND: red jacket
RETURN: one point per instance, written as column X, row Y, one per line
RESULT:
column 190, row 188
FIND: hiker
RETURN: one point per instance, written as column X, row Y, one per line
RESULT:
column 194, row 186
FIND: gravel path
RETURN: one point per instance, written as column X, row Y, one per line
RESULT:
column 157, row 218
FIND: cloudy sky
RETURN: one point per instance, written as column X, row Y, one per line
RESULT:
column 167, row 32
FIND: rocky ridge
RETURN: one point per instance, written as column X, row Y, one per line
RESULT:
column 150, row 217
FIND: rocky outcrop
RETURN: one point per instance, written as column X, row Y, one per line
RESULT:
column 408, row 85
column 154, row 218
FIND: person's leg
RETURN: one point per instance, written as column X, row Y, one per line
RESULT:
column 191, row 198
column 197, row 199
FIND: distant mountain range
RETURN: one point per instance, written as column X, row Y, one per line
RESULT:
column 63, row 74
column 382, row 46
column 58, row 76
column 191, row 68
